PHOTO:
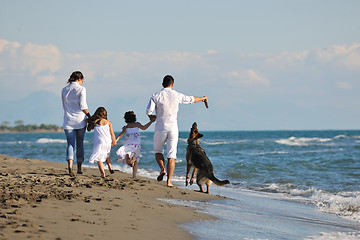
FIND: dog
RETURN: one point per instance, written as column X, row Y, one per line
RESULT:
column 196, row 157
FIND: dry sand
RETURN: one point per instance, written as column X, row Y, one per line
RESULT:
column 40, row 201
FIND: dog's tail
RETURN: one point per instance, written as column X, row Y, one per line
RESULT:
column 219, row 182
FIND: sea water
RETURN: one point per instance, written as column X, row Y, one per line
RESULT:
column 284, row 184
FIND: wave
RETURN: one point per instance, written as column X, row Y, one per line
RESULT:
column 335, row 236
column 15, row 142
column 50, row 140
column 143, row 172
column 342, row 204
column 303, row 141
column 266, row 153
column 216, row 142
column 340, row 136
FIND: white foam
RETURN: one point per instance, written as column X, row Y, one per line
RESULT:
column 50, row 140
column 221, row 142
column 183, row 140
column 344, row 204
column 265, row 153
column 340, row 136
column 216, row 142
column 15, row 142
column 302, row 141
column 336, row 236
column 148, row 173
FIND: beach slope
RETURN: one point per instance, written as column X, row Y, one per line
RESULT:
column 40, row 201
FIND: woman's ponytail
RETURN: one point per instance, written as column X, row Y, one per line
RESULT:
column 75, row 76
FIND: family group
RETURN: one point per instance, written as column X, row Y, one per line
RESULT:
column 163, row 108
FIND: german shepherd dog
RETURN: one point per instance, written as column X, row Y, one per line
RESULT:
column 196, row 157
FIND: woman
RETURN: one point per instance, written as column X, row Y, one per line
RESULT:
column 75, row 112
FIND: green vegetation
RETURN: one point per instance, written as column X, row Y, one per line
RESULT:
column 20, row 127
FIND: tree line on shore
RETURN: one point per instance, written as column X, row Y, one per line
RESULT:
column 19, row 126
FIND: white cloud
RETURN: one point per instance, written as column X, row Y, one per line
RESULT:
column 248, row 77
column 344, row 85
column 285, row 59
column 335, row 51
column 109, row 72
column 248, row 83
column 39, row 58
column 346, row 55
column 49, row 79
column 30, row 58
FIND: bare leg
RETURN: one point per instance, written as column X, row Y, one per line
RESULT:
column 70, row 167
column 79, row 164
column 101, row 168
column 170, row 170
column 135, row 167
column 130, row 161
column 160, row 160
column 108, row 162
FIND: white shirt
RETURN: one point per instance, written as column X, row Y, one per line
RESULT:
column 166, row 104
column 74, row 101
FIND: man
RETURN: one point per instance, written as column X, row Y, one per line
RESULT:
column 166, row 104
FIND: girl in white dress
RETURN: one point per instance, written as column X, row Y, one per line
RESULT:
column 130, row 152
column 104, row 138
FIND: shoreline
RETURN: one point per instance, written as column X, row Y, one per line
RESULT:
column 35, row 131
column 39, row 200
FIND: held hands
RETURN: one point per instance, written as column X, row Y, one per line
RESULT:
column 152, row 118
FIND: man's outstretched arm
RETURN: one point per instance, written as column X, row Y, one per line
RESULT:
column 198, row 99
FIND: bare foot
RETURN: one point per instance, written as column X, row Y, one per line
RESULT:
column 161, row 176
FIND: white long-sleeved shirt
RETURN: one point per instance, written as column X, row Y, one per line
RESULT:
column 74, row 101
column 166, row 104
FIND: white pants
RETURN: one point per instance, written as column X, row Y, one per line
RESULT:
column 171, row 140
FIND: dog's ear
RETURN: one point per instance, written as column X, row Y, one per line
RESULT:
column 200, row 135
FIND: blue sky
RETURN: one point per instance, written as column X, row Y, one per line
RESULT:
column 265, row 65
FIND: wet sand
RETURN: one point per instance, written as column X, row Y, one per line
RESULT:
column 40, row 201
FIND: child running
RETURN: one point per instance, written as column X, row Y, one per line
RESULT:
column 129, row 153
column 104, row 138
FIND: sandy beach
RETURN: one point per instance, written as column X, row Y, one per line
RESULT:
column 40, row 201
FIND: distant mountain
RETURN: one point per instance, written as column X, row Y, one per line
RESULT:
column 37, row 108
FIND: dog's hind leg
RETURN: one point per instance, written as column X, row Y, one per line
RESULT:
column 200, row 180
column 201, row 188
column 208, row 183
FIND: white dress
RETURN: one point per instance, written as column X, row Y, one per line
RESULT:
column 102, row 144
column 132, row 145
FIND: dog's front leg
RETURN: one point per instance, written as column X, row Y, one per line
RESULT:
column 193, row 176
column 188, row 168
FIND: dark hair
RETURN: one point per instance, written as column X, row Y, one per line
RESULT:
column 99, row 114
column 75, row 76
column 167, row 81
column 130, row 117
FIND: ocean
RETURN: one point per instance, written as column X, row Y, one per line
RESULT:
column 284, row 184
